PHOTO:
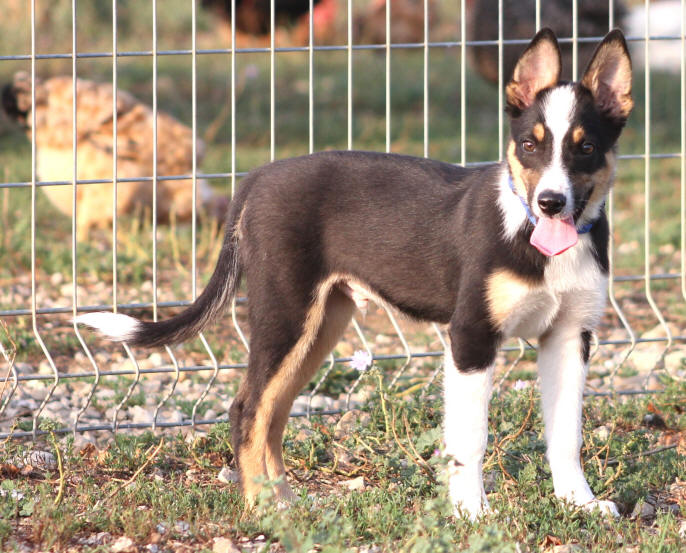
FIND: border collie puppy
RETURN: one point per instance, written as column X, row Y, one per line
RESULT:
column 517, row 248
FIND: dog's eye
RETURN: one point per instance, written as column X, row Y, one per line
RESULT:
column 529, row 146
column 587, row 148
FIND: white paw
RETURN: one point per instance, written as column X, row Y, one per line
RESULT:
column 467, row 493
column 470, row 512
column 605, row 507
column 471, row 508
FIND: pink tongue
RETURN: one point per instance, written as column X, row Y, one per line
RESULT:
column 554, row 236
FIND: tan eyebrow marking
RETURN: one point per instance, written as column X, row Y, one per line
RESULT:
column 539, row 131
column 577, row 134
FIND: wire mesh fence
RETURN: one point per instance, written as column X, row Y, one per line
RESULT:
column 352, row 91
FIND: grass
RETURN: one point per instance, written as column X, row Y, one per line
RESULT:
column 401, row 508
column 175, row 501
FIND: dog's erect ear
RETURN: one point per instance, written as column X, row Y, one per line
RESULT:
column 538, row 68
column 608, row 77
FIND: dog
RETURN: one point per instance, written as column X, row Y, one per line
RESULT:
column 516, row 248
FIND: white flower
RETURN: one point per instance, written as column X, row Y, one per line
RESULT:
column 361, row 360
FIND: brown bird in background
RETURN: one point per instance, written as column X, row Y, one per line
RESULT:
column 407, row 21
column 519, row 22
column 253, row 17
column 54, row 157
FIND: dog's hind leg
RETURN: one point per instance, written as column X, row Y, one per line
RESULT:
column 288, row 343
column 338, row 312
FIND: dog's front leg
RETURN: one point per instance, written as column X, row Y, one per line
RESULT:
column 562, row 362
column 467, row 392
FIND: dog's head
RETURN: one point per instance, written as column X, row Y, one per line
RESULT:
column 562, row 148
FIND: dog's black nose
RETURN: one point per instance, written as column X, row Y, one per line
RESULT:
column 551, row 203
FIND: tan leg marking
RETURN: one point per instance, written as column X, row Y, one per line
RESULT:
column 504, row 292
column 286, row 379
column 338, row 312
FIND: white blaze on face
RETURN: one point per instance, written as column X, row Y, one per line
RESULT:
column 558, row 109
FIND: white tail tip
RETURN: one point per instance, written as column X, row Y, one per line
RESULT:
column 113, row 325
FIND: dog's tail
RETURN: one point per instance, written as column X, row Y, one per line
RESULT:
column 217, row 295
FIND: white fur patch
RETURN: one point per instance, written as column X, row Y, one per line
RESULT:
column 465, row 427
column 114, row 326
column 558, row 108
column 511, row 207
column 573, row 283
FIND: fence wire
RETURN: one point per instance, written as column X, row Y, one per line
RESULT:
column 411, row 359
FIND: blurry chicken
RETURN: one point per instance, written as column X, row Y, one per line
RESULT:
column 407, row 21
column 519, row 22
column 54, row 157
column 253, row 17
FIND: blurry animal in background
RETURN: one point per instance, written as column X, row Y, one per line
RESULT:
column 519, row 22
column 253, row 17
column 54, row 155
column 407, row 21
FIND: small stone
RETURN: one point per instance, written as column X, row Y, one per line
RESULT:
column 45, row 367
column 602, row 433
column 42, row 460
column 182, row 527
column 140, row 414
column 303, row 434
column 321, row 402
column 682, row 529
column 354, row 485
column 369, row 549
column 156, row 359
column 349, row 422
column 675, row 360
column 643, row 510
column 122, row 544
column 56, row 279
column 227, row 476
column 565, row 548
column 224, row 545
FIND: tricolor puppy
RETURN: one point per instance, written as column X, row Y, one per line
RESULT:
column 517, row 248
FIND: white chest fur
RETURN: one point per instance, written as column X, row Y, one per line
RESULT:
column 572, row 292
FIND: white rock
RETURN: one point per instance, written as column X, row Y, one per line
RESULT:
column 122, row 544
column 45, row 368
column 322, row 402
column 674, row 360
column 140, row 414
column 155, row 358
column 356, row 484
column 224, row 545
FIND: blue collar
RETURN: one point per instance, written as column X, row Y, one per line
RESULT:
column 532, row 218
